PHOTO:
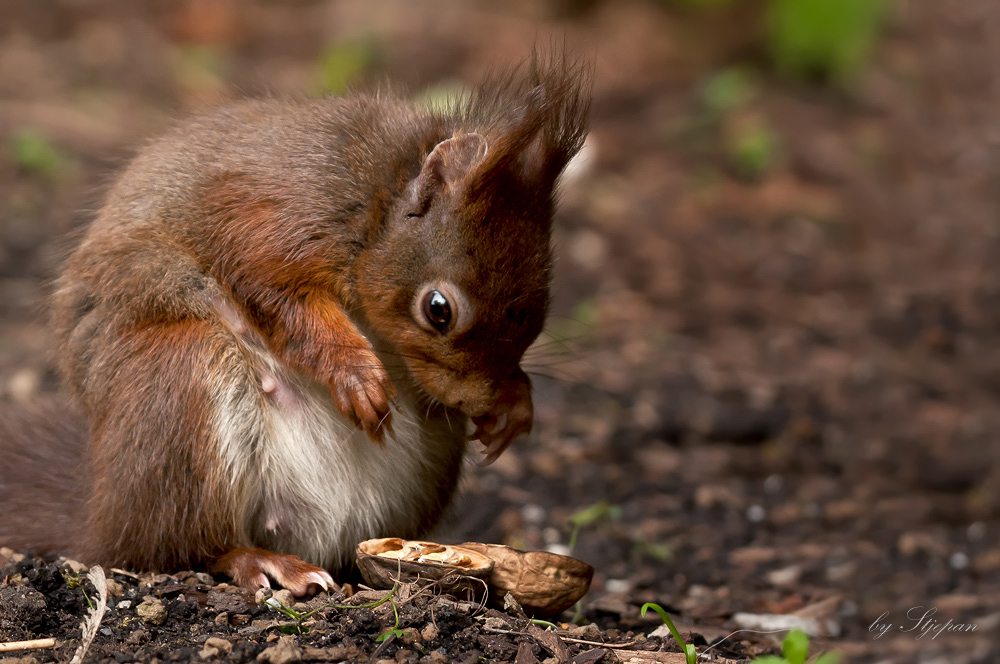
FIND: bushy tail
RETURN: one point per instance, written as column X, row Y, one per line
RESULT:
column 43, row 477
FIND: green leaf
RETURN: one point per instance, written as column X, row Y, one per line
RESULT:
column 829, row 37
column 828, row 658
column 597, row 512
column 795, row 647
column 689, row 653
column 342, row 63
column 398, row 633
column 292, row 629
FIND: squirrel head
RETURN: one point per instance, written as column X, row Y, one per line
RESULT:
column 458, row 281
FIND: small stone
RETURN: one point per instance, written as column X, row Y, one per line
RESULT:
column 590, row 631
column 240, row 619
column 285, row 652
column 496, row 622
column 784, row 577
column 429, row 632
column 151, row 610
column 959, row 560
column 222, row 644
column 222, row 618
column 214, row 646
column 114, row 588
column 77, row 567
column 20, row 660
column 229, row 602
column 285, row 597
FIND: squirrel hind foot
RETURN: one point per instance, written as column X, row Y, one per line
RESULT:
column 255, row 568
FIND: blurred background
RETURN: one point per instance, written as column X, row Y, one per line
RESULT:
column 771, row 378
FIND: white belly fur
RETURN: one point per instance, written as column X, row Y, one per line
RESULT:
column 311, row 483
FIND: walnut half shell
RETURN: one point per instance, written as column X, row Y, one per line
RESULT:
column 541, row 582
column 455, row 568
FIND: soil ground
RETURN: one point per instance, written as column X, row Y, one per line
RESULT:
column 757, row 395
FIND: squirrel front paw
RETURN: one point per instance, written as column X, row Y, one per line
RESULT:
column 511, row 417
column 362, row 390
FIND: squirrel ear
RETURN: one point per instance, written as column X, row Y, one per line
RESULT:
column 446, row 167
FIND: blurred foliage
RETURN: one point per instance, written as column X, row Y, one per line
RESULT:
column 342, row 63
column 728, row 90
column 36, row 155
column 595, row 513
column 751, row 146
column 704, row 3
column 733, row 119
column 200, row 67
column 830, row 38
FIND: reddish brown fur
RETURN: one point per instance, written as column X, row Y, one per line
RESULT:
column 294, row 304
column 316, row 223
column 156, row 399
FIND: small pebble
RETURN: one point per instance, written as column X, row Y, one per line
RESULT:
column 285, row 597
column 756, row 513
column 429, row 632
column 976, row 531
column 151, row 610
column 959, row 560
column 533, row 514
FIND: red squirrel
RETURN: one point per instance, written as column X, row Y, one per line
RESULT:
column 281, row 322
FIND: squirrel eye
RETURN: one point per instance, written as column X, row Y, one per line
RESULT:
column 436, row 310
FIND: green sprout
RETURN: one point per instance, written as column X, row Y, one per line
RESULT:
column 297, row 616
column 795, row 650
column 588, row 516
column 395, row 631
column 688, row 649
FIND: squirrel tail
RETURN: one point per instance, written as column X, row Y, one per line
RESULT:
column 43, row 477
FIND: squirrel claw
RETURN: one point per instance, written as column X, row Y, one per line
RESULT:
column 509, row 419
column 362, row 395
column 254, row 568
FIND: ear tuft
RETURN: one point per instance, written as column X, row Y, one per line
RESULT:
column 448, row 164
